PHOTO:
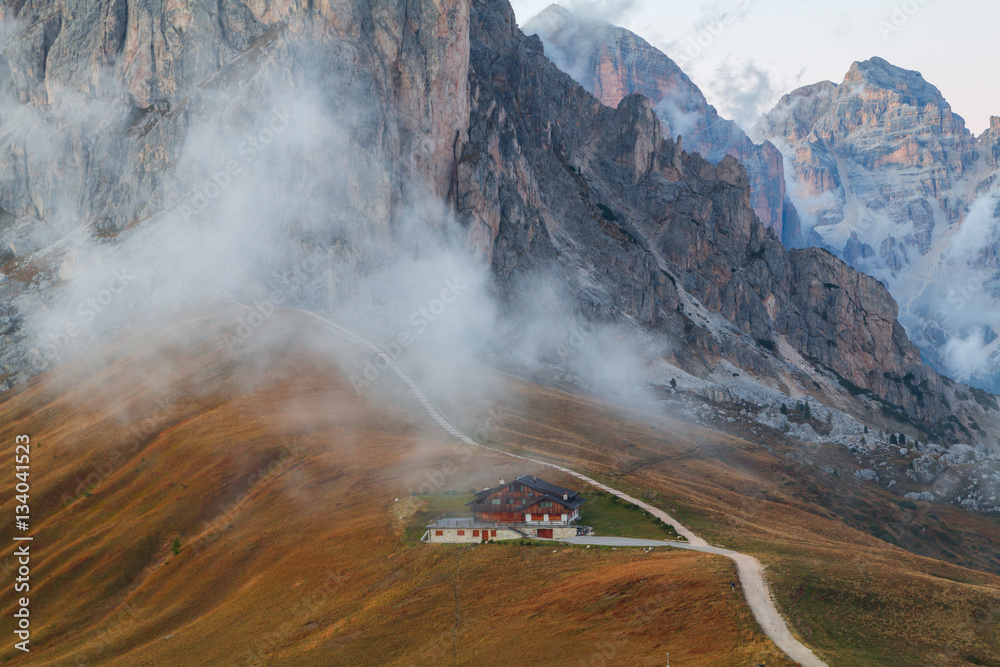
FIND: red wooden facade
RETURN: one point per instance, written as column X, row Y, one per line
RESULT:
column 526, row 500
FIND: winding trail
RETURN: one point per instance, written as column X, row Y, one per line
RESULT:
column 751, row 571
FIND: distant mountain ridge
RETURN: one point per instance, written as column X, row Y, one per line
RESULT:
column 411, row 127
column 886, row 175
column 612, row 63
column 878, row 169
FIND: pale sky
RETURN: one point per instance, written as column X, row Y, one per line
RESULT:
column 744, row 54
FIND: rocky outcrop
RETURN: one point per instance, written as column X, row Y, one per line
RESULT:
column 148, row 68
column 990, row 141
column 441, row 100
column 885, row 133
column 647, row 231
column 110, row 127
column 886, row 175
column 613, row 63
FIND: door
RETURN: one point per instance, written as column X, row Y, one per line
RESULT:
column 545, row 532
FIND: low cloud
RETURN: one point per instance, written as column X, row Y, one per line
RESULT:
column 707, row 30
column 744, row 90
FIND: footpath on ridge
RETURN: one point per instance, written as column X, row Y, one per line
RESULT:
column 751, row 571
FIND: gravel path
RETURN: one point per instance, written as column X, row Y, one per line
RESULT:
column 751, row 572
column 607, row 541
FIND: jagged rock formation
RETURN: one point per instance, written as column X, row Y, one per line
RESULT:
column 612, row 63
column 445, row 101
column 666, row 237
column 990, row 141
column 886, row 175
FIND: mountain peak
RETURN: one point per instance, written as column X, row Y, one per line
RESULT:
column 556, row 17
column 880, row 73
column 554, row 10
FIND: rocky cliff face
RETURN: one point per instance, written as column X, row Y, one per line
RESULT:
column 441, row 104
column 886, row 175
column 613, row 63
column 151, row 68
column 990, row 141
column 646, row 231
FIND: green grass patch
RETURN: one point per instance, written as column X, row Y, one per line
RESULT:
column 610, row 516
column 606, row 514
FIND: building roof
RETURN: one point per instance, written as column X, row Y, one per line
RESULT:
column 572, row 503
column 542, row 486
column 547, row 490
column 487, row 492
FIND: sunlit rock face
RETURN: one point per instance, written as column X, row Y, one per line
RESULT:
column 364, row 134
column 885, row 174
column 612, row 63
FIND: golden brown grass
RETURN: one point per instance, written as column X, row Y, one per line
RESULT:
column 281, row 484
column 855, row 598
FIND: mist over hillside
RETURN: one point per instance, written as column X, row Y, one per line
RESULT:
column 282, row 283
column 886, row 175
column 479, row 202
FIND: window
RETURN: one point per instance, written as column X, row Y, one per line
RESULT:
column 475, row 533
column 461, row 532
column 439, row 533
column 546, row 503
column 493, row 533
column 495, row 501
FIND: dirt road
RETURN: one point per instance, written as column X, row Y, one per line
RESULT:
column 751, row 572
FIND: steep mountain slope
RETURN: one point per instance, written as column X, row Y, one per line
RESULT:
column 824, row 535
column 669, row 240
column 613, row 63
column 281, row 481
column 886, row 175
column 287, row 489
column 385, row 123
